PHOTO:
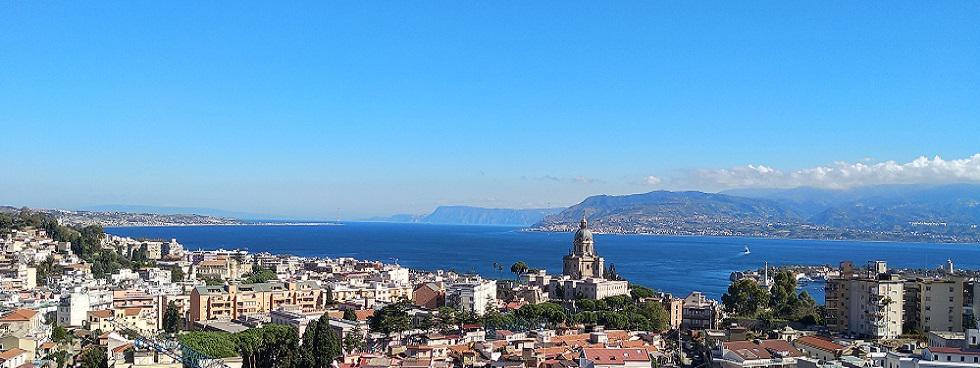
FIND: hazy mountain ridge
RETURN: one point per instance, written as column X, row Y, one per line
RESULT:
column 892, row 212
column 469, row 215
column 466, row 215
column 119, row 218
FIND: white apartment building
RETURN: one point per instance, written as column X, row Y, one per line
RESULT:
column 472, row 295
column 876, row 307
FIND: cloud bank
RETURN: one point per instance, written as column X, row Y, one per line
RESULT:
column 839, row 175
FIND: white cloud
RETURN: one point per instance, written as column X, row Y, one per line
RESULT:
column 838, row 175
column 652, row 180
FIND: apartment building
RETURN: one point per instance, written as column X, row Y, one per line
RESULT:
column 369, row 293
column 222, row 268
column 472, row 295
column 868, row 304
column 226, row 302
column 934, row 305
column 700, row 313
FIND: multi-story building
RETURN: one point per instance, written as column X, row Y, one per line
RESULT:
column 222, row 268
column 700, row 312
column 568, row 288
column 430, row 295
column 868, row 305
column 473, row 295
column 369, row 293
column 934, row 305
column 225, row 302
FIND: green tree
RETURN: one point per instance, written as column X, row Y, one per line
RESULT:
column 350, row 315
column 213, row 344
column 260, row 275
column 321, row 345
column 518, row 268
column 354, row 342
column 171, row 318
column 783, row 292
column 640, row 292
column 93, row 357
column 446, row 318
column 60, row 335
column 613, row 320
column 745, row 298
column 177, row 274
column 656, row 314
column 391, row 318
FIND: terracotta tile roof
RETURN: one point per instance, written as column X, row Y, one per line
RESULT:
column 819, row 343
column 577, row 339
column 122, row 348
column 10, row 354
column 19, row 315
column 553, row 351
column 615, row 356
column 364, row 314
column 133, row 311
column 959, row 351
column 104, row 313
column 633, row 344
column 48, row 345
column 765, row 349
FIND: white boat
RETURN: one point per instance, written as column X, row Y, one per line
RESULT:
column 746, row 250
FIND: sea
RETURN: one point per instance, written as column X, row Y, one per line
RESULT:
column 674, row 264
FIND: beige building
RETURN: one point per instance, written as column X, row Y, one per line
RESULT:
column 222, row 268
column 582, row 275
column 582, row 261
column 934, row 305
column 369, row 293
column 226, row 302
column 869, row 304
column 100, row 320
column 21, row 322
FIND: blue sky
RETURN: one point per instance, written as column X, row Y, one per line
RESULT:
column 348, row 109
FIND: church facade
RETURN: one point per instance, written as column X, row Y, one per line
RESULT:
column 583, row 272
column 582, row 262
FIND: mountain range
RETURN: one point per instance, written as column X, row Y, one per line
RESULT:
column 886, row 212
column 468, row 215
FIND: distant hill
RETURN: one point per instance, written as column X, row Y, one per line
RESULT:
column 942, row 213
column 661, row 209
column 881, row 207
column 167, row 210
column 467, row 215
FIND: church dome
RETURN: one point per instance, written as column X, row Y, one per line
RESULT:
column 583, row 234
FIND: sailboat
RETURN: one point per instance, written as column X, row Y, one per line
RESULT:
column 746, row 250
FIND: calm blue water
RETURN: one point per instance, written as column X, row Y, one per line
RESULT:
column 674, row 264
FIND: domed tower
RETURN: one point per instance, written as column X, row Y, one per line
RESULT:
column 583, row 243
column 582, row 262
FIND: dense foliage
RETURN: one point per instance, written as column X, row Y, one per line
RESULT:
column 270, row 346
column 260, row 274
column 85, row 241
column 392, row 318
column 93, row 357
column 321, row 345
column 171, row 318
column 746, row 298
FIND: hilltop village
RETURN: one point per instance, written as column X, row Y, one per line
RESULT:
column 77, row 297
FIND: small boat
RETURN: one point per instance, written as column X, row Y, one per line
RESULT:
column 746, row 250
